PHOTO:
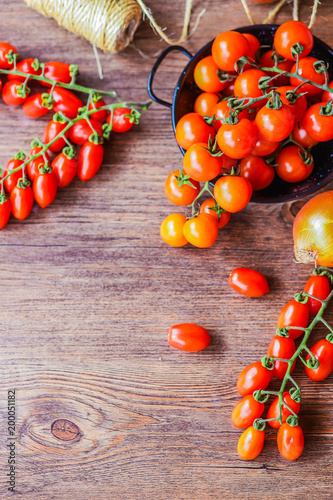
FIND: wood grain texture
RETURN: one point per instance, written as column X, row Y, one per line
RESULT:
column 89, row 291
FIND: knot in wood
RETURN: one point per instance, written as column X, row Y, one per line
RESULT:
column 65, row 430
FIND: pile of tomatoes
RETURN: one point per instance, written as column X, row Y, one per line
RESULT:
column 242, row 138
column 39, row 179
column 292, row 321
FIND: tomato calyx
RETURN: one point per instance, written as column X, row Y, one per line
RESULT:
column 36, row 64
column 219, row 210
column 301, row 297
column 95, row 138
column 241, row 62
column 320, row 67
column 11, row 57
column 292, row 420
column 265, row 82
column 277, row 58
column 183, row 179
column 327, row 110
column 224, row 76
column 45, row 169
column 329, row 338
column 133, row 116
column 295, row 394
column 283, row 332
column 47, row 101
column 20, row 156
column 259, row 424
column 3, row 197
column 107, row 129
column 268, row 362
column 22, row 90
column 274, row 102
column 297, row 50
column 212, row 148
column 74, row 71
column 305, row 156
column 59, row 118
column 23, row 183
column 260, row 396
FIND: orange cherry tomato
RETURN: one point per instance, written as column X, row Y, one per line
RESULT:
column 273, row 411
column 294, row 314
column 290, row 441
column 189, row 337
column 237, row 140
column 251, row 443
column 200, row 164
column 290, row 33
column 263, row 147
column 300, row 135
column 327, row 96
column 172, row 230
column 181, row 195
column 201, row 231
column 205, row 103
column 257, row 171
column 21, row 201
column 222, row 219
column 254, row 45
column 291, row 165
column 281, row 347
column 192, row 128
column 253, row 377
column 247, row 85
column 318, row 286
column 306, row 70
column 323, row 351
column 232, row 193
column 206, row 76
column 227, row 48
column 248, row 282
column 318, row 126
column 275, row 125
column 246, row 411
column 268, row 60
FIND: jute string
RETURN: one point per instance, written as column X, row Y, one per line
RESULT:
column 276, row 9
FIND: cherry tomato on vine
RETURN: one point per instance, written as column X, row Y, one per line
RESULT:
column 253, row 377
column 64, row 168
column 33, row 106
column 294, row 314
column 66, row 102
column 300, row 135
column 21, row 201
column 263, row 147
column 188, row 337
column 205, row 103
column 299, row 108
column 318, row 126
column 247, row 85
column 275, row 125
column 45, row 188
column 307, row 70
column 25, row 66
column 33, row 165
column 90, row 160
column 318, row 286
column 200, row 164
column 52, row 129
column 232, row 193
column 246, row 411
column 290, row 441
column 227, row 48
column 101, row 115
column 237, row 140
column 57, row 71
column 221, row 111
column 192, row 128
column 201, row 231
column 254, row 45
column 269, row 59
column 10, row 93
column 12, row 180
column 172, row 230
column 248, row 282
column 206, row 207
column 323, row 351
column 273, row 411
column 181, row 195
column 288, row 35
column 206, row 76
column 251, row 443
column 281, row 347
column 327, row 96
column 81, row 130
column 293, row 165
column 120, row 121
column 5, row 211
column 5, row 48
column 257, row 171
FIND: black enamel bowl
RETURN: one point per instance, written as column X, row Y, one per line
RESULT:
column 186, row 92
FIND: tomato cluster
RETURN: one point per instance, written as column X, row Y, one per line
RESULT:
column 39, row 179
column 293, row 321
column 257, row 116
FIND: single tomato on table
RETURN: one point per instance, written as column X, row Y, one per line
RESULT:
column 172, row 230
column 189, row 337
column 248, row 282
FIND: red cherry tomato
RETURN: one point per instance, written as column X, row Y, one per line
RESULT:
column 273, row 411
column 90, row 160
column 52, row 129
column 275, row 125
column 237, row 140
column 181, row 195
column 263, row 147
column 25, row 66
column 21, row 201
column 290, row 441
column 327, row 96
column 121, row 122
column 192, row 128
column 5, row 49
column 246, row 411
column 12, row 180
column 232, row 193
column 290, row 33
column 221, row 111
column 80, row 132
column 34, row 165
column 251, row 443
column 5, row 211
column 201, row 231
column 294, row 314
column 66, row 102
column 229, row 90
column 299, row 107
column 205, row 103
column 189, row 337
column 57, row 71
column 254, row 45
column 300, row 135
column 269, row 60
column 248, row 282
column 64, row 168
column 45, row 188
column 253, row 378
column 257, row 171
column 206, row 76
column 281, row 347
column 206, row 207
column 247, row 85
column 10, row 93
column 318, row 126
column 318, row 286
column 33, row 106
column 227, row 48
column 307, row 70
column 200, row 165
column 291, row 165
column 323, row 351
column 172, row 230
column 101, row 115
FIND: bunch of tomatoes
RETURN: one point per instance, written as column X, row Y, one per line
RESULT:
column 257, row 116
column 38, row 175
column 293, row 321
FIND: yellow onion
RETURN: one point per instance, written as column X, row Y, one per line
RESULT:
column 313, row 231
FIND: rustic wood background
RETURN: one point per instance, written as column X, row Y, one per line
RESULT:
column 89, row 291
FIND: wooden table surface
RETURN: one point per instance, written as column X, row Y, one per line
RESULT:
column 89, row 291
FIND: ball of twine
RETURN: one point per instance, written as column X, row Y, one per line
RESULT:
column 108, row 24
